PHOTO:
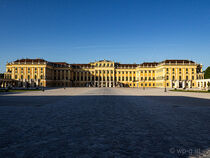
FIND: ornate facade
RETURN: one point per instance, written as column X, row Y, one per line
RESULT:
column 104, row 73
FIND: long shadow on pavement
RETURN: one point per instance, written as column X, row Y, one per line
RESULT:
column 103, row 126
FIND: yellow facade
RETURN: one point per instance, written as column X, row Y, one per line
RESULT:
column 168, row 73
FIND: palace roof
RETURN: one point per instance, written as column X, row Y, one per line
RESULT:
column 116, row 64
column 80, row 65
column 177, row 61
column 127, row 65
column 149, row 64
column 30, row 60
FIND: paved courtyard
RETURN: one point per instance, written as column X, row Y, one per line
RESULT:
column 104, row 122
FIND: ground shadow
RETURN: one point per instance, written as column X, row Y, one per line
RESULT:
column 103, row 126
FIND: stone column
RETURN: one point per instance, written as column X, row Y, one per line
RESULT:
column 69, row 78
column 61, row 75
column 13, row 73
column 183, row 74
column 132, row 75
column 64, row 74
column 38, row 73
column 84, row 75
column 25, row 73
column 102, row 78
column 79, row 77
column 56, row 75
column 128, row 77
column 99, row 75
column 183, row 84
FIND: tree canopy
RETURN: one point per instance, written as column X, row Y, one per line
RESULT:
column 207, row 73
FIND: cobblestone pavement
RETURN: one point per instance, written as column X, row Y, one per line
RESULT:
column 104, row 122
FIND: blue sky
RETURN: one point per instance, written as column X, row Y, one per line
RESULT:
column 127, row 31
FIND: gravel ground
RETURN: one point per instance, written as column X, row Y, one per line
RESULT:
column 104, row 122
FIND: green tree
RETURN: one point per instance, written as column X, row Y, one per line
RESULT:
column 207, row 73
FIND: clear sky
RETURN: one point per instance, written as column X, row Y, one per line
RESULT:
column 127, row 31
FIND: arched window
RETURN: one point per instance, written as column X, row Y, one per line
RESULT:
column 173, row 78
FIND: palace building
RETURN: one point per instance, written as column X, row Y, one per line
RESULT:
column 104, row 73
